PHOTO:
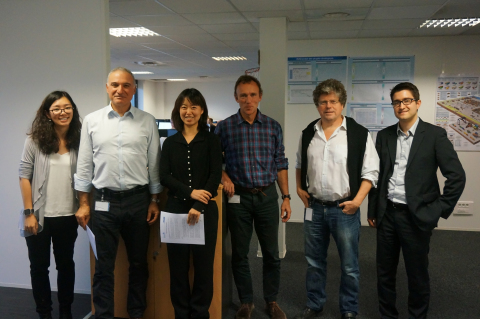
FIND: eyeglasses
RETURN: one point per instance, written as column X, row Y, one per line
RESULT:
column 67, row 110
column 324, row 103
column 405, row 102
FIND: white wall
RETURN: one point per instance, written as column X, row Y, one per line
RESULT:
column 45, row 46
column 158, row 98
column 219, row 96
column 455, row 55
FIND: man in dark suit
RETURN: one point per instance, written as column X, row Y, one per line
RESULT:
column 407, row 203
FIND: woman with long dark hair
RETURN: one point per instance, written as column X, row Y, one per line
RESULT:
column 47, row 166
column 191, row 169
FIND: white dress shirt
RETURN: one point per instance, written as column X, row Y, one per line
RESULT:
column 327, row 172
column 118, row 152
column 396, row 183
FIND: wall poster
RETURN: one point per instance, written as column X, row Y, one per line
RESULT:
column 458, row 110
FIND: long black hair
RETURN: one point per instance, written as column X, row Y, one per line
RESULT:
column 43, row 131
column 196, row 98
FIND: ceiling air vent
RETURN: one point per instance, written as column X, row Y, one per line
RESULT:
column 150, row 63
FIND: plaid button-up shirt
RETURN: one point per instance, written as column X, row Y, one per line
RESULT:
column 253, row 152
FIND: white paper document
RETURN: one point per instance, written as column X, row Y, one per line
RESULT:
column 91, row 239
column 174, row 229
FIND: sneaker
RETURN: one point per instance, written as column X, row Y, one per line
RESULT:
column 274, row 311
column 245, row 311
column 308, row 313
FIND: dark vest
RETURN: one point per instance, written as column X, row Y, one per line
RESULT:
column 356, row 139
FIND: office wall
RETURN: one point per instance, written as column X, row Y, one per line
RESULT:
column 45, row 46
column 453, row 55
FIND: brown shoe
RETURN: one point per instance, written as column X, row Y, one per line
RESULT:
column 245, row 311
column 274, row 311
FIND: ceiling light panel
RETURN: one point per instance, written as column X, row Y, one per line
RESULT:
column 132, row 32
column 450, row 23
column 229, row 58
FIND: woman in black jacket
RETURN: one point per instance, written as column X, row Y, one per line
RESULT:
column 191, row 169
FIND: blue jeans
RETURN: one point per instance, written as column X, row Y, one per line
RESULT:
column 345, row 230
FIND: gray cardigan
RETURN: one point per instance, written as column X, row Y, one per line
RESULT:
column 34, row 166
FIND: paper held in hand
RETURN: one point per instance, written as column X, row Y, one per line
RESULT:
column 174, row 229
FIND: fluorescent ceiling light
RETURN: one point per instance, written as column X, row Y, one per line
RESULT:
column 141, row 72
column 132, row 32
column 229, row 58
column 451, row 23
column 176, row 79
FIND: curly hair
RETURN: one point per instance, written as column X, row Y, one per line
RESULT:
column 330, row 86
column 195, row 98
column 43, row 132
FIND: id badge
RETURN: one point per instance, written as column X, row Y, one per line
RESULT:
column 235, row 199
column 102, row 206
column 308, row 214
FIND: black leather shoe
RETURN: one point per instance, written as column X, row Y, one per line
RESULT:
column 309, row 314
column 47, row 315
column 349, row 315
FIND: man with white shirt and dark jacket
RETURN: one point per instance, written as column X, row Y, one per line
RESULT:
column 337, row 165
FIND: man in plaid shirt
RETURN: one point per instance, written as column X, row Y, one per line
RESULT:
column 254, row 159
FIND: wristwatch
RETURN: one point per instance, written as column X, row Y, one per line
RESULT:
column 156, row 200
column 286, row 196
column 28, row 212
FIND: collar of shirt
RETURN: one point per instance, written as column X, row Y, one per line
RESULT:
column 111, row 112
column 179, row 138
column 318, row 128
column 259, row 118
column 411, row 131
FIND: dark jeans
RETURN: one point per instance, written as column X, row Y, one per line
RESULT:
column 62, row 232
column 127, row 217
column 194, row 304
column 260, row 211
column 396, row 232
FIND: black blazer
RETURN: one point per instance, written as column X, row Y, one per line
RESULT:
column 185, row 167
column 430, row 150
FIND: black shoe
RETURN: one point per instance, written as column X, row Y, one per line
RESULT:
column 309, row 314
column 47, row 315
column 349, row 315
column 65, row 315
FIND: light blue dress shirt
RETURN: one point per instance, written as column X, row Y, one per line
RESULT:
column 396, row 184
column 118, row 152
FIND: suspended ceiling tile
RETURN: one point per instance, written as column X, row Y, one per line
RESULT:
column 292, row 15
column 159, row 20
column 354, row 14
column 266, row 5
column 392, row 24
column 215, row 18
column 400, row 3
column 296, row 27
column 424, row 32
column 385, row 33
column 458, row 11
column 236, row 36
column 140, row 40
column 338, row 34
column 334, row 25
column 182, row 38
column 197, row 6
column 473, row 30
column 408, row 12
column 126, row 8
column 180, row 29
column 237, row 44
column 229, row 28
column 120, row 22
column 297, row 35
column 339, row 4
